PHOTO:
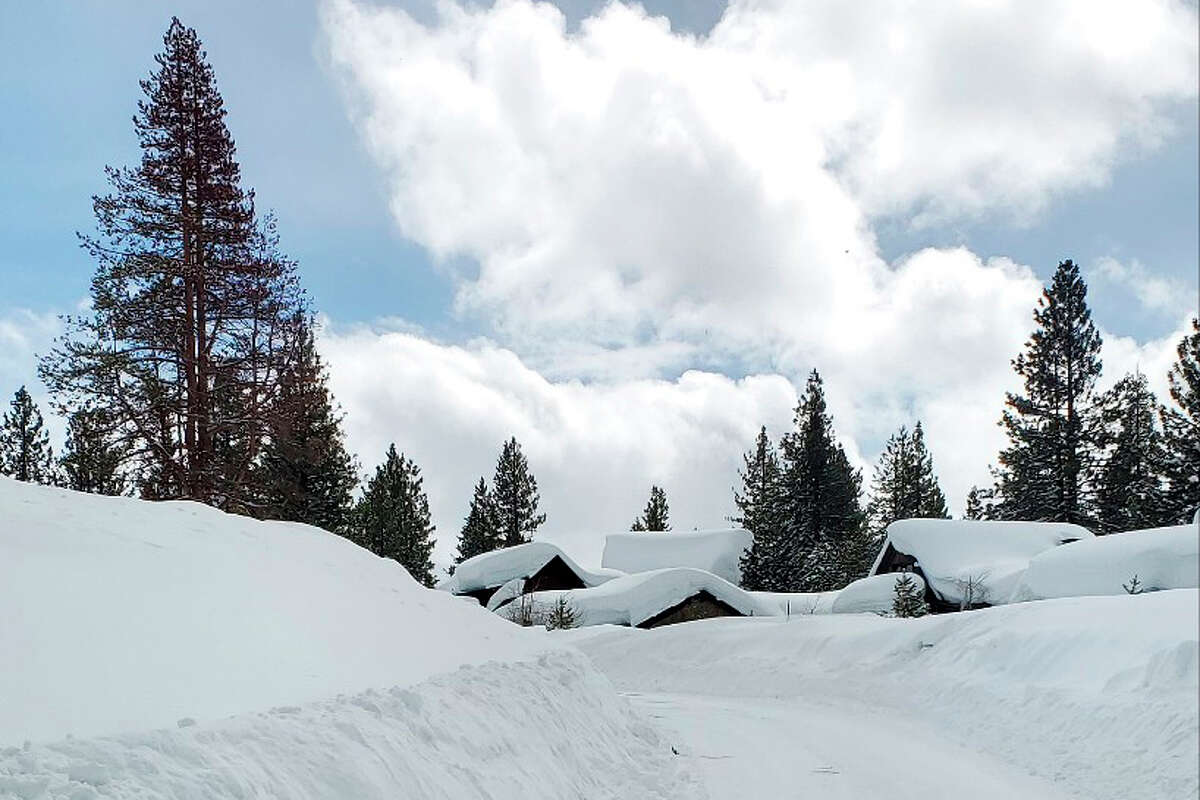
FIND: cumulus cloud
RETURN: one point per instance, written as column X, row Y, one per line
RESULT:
column 642, row 203
column 1153, row 291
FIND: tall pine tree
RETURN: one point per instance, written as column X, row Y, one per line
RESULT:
column 306, row 475
column 25, row 452
column 515, row 496
column 979, row 504
column 1131, row 491
column 826, row 544
column 194, row 311
column 1181, row 429
column 904, row 485
column 480, row 533
column 656, row 515
column 392, row 517
column 759, row 513
column 1043, row 471
column 91, row 461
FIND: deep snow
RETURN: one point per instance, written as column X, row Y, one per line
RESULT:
column 1094, row 697
column 717, row 551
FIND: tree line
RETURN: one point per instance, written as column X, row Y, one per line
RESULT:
column 1112, row 461
column 194, row 374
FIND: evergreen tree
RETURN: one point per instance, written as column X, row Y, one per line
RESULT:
column 306, row 475
column 1181, row 429
column 655, row 517
column 979, row 504
column 763, row 563
column 392, row 517
column 515, row 496
column 826, row 542
column 904, row 485
column 194, row 312
column 1051, row 439
column 91, row 460
column 1130, row 490
column 25, row 452
column 907, row 600
column 480, row 533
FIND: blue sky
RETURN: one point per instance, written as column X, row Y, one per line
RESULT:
column 627, row 243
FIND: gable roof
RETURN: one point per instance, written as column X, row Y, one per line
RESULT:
column 490, row 570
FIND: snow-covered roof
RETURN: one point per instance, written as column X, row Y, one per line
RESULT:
column 871, row 595
column 1162, row 558
column 715, row 551
column 992, row 555
column 633, row 599
column 489, row 570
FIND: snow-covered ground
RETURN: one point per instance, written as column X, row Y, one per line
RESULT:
column 167, row 650
column 1091, row 697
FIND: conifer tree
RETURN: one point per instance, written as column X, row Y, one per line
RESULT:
column 904, row 485
column 1131, row 491
column 194, row 311
column 515, row 496
column 479, row 532
column 25, row 452
column 763, row 563
column 826, row 542
column 978, row 504
column 907, row 600
column 392, row 517
column 1042, row 473
column 90, row 461
column 656, row 515
column 1181, row 429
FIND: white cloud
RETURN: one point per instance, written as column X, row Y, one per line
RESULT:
column 641, row 202
column 24, row 335
column 1153, row 291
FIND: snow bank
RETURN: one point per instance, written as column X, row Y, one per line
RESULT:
column 715, row 551
column 783, row 604
column 989, row 554
column 494, row 731
column 489, row 570
column 1161, row 558
column 119, row 614
column 871, row 595
column 633, row 599
column 1096, row 693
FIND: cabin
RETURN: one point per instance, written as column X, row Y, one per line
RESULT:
column 969, row 563
column 525, row 568
column 700, row 605
column 717, row 551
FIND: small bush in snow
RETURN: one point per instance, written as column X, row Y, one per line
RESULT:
column 1134, row 586
column 562, row 616
column 908, row 600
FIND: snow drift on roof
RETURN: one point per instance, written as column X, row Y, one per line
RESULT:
column 633, row 599
column 715, row 551
column 1161, row 558
column 991, row 554
column 489, row 570
column 871, row 595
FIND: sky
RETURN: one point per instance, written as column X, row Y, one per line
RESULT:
column 625, row 234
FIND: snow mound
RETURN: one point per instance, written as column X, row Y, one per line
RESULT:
column 785, row 604
column 499, row 567
column 634, row 599
column 122, row 615
column 1161, row 558
column 1098, row 694
column 871, row 595
column 493, row 731
column 991, row 555
column 715, row 551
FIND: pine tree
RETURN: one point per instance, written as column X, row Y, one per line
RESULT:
column 759, row 512
column 392, row 517
column 1181, row 429
column 306, row 475
column 25, row 452
column 194, row 312
column 979, row 504
column 907, row 600
column 826, row 543
column 655, row 517
column 515, row 496
column 480, row 533
column 91, row 461
column 1051, row 438
column 904, row 485
column 1131, row 492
